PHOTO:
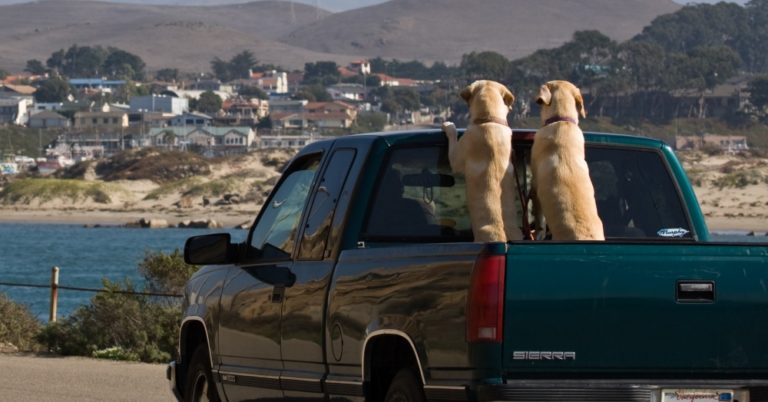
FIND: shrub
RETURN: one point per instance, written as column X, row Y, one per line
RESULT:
column 43, row 190
column 119, row 324
column 17, row 325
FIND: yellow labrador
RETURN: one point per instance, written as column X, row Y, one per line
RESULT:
column 483, row 156
column 562, row 190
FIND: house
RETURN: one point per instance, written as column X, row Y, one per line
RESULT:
column 211, row 85
column 287, row 106
column 194, row 94
column 331, row 115
column 213, row 141
column 98, row 84
column 103, row 119
column 9, row 90
column 355, row 68
column 14, row 111
column 271, row 82
column 389, row 81
column 285, row 141
column 343, row 91
column 191, row 119
column 726, row 143
column 159, row 103
column 289, row 121
column 241, row 112
column 48, row 119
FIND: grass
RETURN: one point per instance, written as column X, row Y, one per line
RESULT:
column 215, row 188
column 738, row 179
column 171, row 188
column 44, row 190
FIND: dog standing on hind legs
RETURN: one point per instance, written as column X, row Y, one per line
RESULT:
column 562, row 191
column 484, row 156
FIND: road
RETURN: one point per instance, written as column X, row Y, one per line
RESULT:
column 28, row 378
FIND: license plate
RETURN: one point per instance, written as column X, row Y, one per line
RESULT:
column 697, row 395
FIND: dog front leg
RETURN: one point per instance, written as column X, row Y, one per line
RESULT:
column 454, row 155
column 539, row 222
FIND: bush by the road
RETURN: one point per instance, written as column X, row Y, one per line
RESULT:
column 17, row 326
column 126, row 326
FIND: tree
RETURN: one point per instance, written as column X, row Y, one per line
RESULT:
column 36, row 67
column 253, row 92
column 3, row 74
column 167, row 75
column 124, row 65
column 314, row 93
column 758, row 92
column 221, row 69
column 209, row 102
column 485, row 65
column 369, row 122
column 52, row 90
column 241, row 64
column 321, row 73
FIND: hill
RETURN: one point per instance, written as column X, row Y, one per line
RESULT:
column 291, row 34
column 443, row 30
column 181, row 37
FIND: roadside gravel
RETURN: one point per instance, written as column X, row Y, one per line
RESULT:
column 36, row 378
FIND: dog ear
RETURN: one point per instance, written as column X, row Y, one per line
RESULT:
column 545, row 96
column 466, row 93
column 508, row 97
column 580, row 104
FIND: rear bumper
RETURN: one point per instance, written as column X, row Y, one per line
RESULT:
column 612, row 390
column 170, row 374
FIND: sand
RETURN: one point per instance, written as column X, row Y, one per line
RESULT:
column 739, row 207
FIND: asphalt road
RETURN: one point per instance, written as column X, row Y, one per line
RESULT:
column 26, row 378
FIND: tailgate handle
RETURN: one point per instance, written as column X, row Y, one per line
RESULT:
column 695, row 291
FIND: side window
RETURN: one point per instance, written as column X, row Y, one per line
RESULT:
column 417, row 199
column 635, row 194
column 323, row 206
column 275, row 232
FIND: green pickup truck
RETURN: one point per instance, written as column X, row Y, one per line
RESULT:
column 360, row 281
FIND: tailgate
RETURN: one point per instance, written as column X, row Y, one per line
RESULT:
column 636, row 309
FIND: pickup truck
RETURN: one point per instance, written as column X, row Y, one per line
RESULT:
column 360, row 281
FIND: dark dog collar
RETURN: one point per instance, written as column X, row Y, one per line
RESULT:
column 491, row 119
column 556, row 119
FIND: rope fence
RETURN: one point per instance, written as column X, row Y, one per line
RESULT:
column 54, row 286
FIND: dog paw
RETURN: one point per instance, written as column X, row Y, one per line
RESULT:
column 450, row 130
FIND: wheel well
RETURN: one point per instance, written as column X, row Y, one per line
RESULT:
column 192, row 336
column 385, row 356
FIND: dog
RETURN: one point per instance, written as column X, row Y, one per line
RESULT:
column 483, row 156
column 562, row 192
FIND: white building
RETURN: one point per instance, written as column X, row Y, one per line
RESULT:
column 159, row 103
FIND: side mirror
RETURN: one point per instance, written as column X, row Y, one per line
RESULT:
column 209, row 249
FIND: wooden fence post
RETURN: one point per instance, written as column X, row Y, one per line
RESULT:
column 54, row 293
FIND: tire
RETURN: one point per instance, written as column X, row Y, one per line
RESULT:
column 405, row 387
column 199, row 386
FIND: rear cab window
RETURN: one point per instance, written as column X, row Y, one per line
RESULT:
column 417, row 199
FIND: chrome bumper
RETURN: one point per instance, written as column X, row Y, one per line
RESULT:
column 170, row 374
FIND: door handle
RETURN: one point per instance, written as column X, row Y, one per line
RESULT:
column 695, row 292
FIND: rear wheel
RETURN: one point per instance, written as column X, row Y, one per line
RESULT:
column 200, row 386
column 405, row 387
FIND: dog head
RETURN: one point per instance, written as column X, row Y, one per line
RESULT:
column 560, row 98
column 488, row 99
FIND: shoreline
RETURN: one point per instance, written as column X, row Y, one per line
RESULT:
column 228, row 219
column 233, row 218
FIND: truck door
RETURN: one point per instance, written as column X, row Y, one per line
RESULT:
column 302, row 330
column 249, row 331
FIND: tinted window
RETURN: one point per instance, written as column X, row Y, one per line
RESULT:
column 323, row 206
column 635, row 194
column 418, row 199
column 275, row 232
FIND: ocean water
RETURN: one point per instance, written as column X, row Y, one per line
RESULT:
column 84, row 256
column 87, row 255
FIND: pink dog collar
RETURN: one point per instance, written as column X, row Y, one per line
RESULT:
column 491, row 119
column 556, row 119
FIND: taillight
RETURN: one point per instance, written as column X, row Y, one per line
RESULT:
column 485, row 304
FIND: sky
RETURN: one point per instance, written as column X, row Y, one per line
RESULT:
column 330, row 5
